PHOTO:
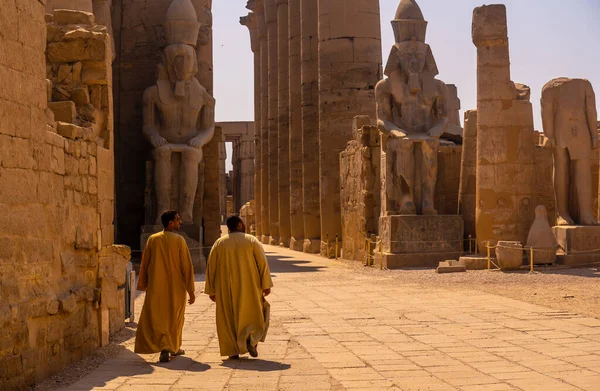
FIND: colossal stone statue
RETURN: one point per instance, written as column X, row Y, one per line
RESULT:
column 412, row 111
column 178, row 112
column 569, row 119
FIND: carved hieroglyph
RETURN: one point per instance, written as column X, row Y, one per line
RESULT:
column 178, row 112
column 569, row 118
column 412, row 115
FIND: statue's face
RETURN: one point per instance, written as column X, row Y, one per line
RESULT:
column 413, row 56
column 180, row 62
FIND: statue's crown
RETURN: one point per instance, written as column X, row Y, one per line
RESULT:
column 409, row 22
column 181, row 23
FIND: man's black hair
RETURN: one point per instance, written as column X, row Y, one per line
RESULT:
column 233, row 221
column 167, row 217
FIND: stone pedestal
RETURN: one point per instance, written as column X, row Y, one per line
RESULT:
column 419, row 241
column 578, row 245
column 192, row 234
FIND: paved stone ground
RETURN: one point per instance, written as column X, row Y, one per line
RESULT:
column 335, row 329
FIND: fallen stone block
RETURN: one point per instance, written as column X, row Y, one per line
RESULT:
column 64, row 17
column 473, row 262
column 69, row 131
column 450, row 267
column 63, row 111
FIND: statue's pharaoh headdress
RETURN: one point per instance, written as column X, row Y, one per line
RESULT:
column 181, row 23
column 409, row 26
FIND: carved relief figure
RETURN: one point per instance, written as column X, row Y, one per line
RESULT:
column 412, row 111
column 178, row 111
column 569, row 118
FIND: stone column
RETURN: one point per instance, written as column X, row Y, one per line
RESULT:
column 310, row 125
column 222, row 175
column 258, row 7
column 349, row 69
column 284, row 123
column 295, row 145
column 246, row 163
column 505, row 150
column 251, row 21
column 273, row 119
column 468, row 172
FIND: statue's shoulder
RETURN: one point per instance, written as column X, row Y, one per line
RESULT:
column 151, row 91
column 383, row 86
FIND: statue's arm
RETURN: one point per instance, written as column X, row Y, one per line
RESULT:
column 150, row 128
column 592, row 114
column 383, row 99
column 441, row 111
column 206, row 123
column 547, row 107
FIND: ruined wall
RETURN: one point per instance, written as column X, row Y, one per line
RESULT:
column 59, row 270
column 139, row 39
column 360, row 188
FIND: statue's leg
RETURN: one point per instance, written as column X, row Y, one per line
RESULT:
column 162, row 179
column 562, row 186
column 583, row 182
column 190, row 160
column 405, row 172
column 428, row 174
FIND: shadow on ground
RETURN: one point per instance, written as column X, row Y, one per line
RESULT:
column 258, row 365
column 283, row 264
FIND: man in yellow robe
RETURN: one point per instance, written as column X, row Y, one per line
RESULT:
column 166, row 274
column 237, row 279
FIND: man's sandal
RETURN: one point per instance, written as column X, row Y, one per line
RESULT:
column 180, row 352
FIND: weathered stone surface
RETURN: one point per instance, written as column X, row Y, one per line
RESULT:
column 63, row 111
column 360, row 188
column 467, row 192
column 474, row 262
column 68, row 304
column 541, row 238
column 69, row 16
column 578, row 244
column 505, row 195
column 421, row 234
column 77, row 50
column 68, row 130
column 450, row 267
column 509, row 254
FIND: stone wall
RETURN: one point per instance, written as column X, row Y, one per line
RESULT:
column 59, row 269
column 360, row 188
column 139, row 40
column 448, row 179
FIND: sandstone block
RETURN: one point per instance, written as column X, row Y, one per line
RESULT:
column 421, row 234
column 96, row 73
column 66, row 16
column 578, row 244
column 68, row 130
column 63, row 111
column 450, row 267
column 509, row 255
column 76, row 50
column 474, row 262
column 80, row 96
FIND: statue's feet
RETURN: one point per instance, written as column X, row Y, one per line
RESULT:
column 564, row 219
column 588, row 219
column 408, row 208
column 429, row 211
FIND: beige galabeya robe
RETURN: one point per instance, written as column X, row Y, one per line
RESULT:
column 166, row 274
column 237, row 273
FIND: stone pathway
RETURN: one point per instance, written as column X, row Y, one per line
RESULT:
column 335, row 329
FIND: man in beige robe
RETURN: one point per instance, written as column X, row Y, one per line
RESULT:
column 237, row 279
column 166, row 274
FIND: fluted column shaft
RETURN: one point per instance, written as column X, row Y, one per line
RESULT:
column 310, row 125
column 295, row 141
column 349, row 68
column 284, row 123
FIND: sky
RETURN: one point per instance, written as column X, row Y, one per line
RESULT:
column 547, row 39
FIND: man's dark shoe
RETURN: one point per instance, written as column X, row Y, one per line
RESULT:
column 180, row 352
column 251, row 349
column 164, row 356
column 234, row 357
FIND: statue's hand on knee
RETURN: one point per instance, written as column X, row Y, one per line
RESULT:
column 198, row 142
column 158, row 141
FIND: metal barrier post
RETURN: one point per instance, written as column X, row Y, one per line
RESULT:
column 487, row 244
column 327, row 244
column 470, row 252
column 336, row 246
column 530, row 259
column 368, row 252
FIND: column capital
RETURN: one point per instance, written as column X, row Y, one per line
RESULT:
column 251, row 22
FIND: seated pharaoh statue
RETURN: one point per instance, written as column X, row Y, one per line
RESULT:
column 178, row 115
column 412, row 115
